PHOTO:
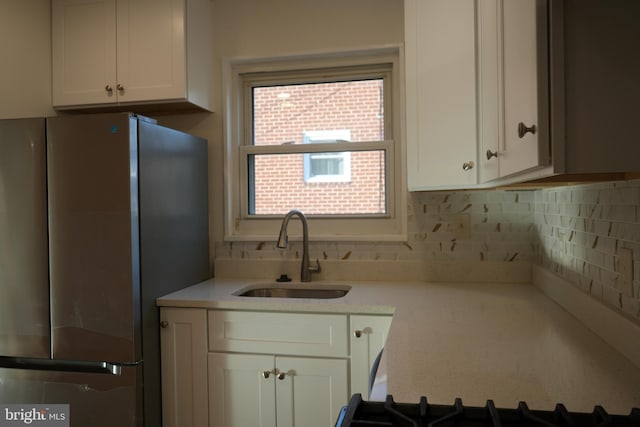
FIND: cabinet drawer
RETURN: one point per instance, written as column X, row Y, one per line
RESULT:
column 278, row 333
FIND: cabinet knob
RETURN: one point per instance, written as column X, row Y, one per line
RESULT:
column 120, row 87
column 523, row 129
column 108, row 88
column 491, row 154
column 164, row 324
column 357, row 333
column 281, row 376
column 266, row 374
column 468, row 165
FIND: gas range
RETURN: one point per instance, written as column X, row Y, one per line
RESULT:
column 389, row 413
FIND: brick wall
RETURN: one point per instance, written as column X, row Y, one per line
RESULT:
column 282, row 115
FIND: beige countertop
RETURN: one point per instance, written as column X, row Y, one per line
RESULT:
column 506, row 342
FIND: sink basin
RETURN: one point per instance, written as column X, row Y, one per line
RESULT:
column 294, row 290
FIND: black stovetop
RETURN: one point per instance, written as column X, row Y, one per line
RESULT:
column 390, row 413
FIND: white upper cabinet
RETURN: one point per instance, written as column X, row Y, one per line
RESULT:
column 84, row 52
column 524, row 63
column 123, row 52
column 513, row 131
column 476, row 91
column 525, row 89
column 440, row 94
column 564, row 67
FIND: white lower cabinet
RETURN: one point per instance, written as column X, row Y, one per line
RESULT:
column 288, row 369
column 183, row 345
column 277, row 368
column 241, row 390
column 230, row 368
column 268, row 391
column 368, row 336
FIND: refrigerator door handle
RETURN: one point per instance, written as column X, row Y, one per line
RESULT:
column 33, row 363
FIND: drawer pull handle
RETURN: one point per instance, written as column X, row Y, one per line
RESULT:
column 491, row 154
column 467, row 166
column 523, row 129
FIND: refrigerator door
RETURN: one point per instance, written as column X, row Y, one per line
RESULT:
column 24, row 301
column 93, row 237
column 96, row 400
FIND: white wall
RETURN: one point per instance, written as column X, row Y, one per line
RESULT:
column 257, row 28
column 25, row 58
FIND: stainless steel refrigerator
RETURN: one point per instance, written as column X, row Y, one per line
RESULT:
column 99, row 215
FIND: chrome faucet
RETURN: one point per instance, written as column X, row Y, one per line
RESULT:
column 306, row 268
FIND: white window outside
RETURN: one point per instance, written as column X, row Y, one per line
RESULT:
column 327, row 167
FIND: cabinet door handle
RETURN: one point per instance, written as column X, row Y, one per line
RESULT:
column 266, row 374
column 357, row 333
column 164, row 324
column 468, row 165
column 120, row 87
column 281, row 376
column 109, row 89
column 523, row 129
column 491, row 154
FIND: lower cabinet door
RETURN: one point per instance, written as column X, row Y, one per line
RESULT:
column 310, row 392
column 268, row 391
column 241, row 390
column 183, row 343
column 368, row 336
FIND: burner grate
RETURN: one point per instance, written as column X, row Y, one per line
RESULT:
column 422, row 414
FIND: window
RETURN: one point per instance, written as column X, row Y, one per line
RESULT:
column 316, row 134
column 327, row 167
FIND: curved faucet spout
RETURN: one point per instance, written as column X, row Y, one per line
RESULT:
column 306, row 269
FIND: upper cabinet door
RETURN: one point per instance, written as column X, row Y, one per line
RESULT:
column 440, row 94
column 490, row 89
column 151, row 50
column 84, row 52
column 513, row 87
column 525, row 69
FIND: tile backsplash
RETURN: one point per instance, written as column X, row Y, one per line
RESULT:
column 575, row 231
column 499, row 226
column 580, row 232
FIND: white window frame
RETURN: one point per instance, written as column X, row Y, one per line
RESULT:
column 238, row 224
column 338, row 135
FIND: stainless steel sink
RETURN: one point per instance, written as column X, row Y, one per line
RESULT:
column 286, row 290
